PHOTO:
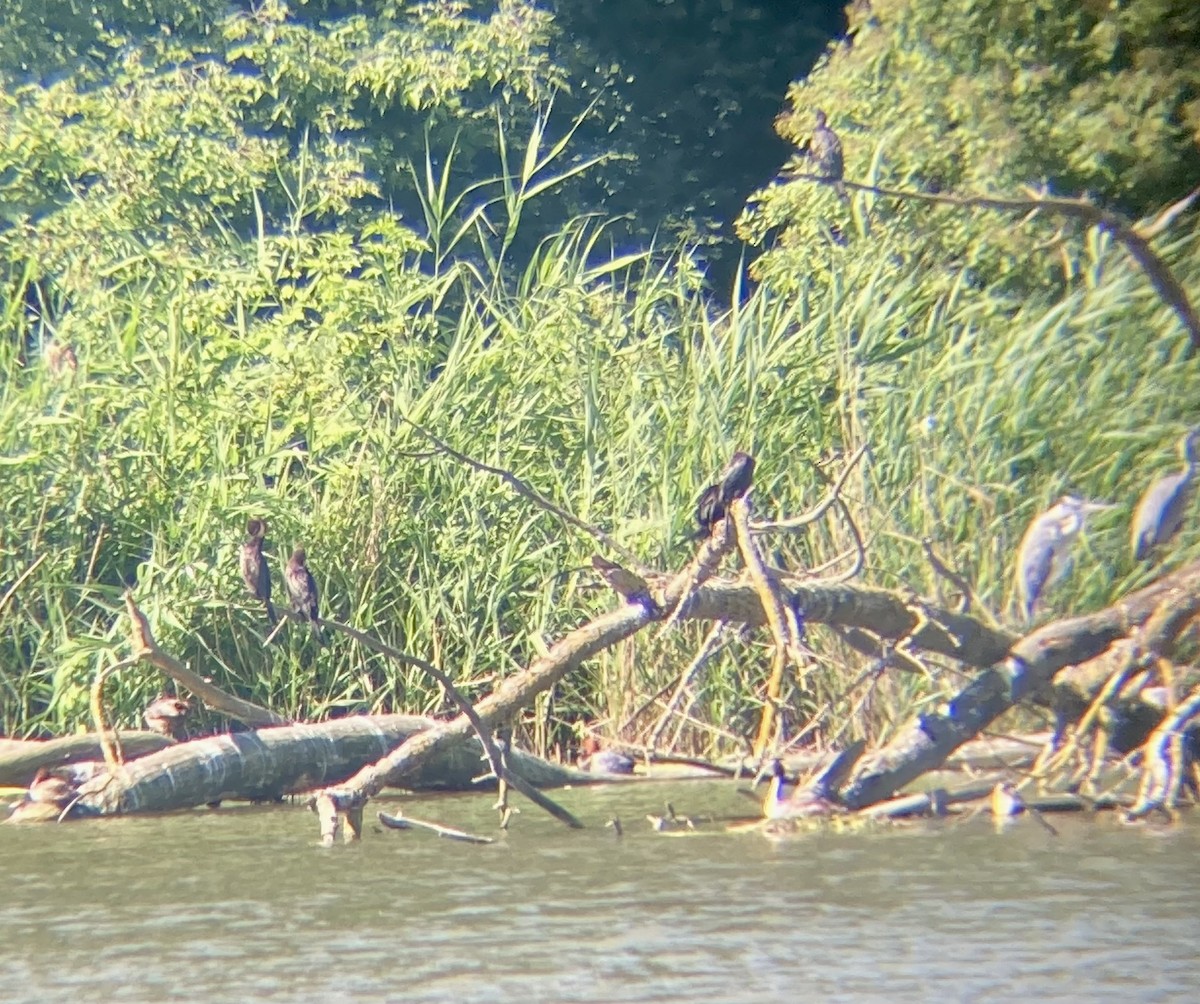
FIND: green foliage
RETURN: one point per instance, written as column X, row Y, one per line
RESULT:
column 255, row 336
column 43, row 37
column 977, row 97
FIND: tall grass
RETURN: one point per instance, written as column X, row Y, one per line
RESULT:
column 276, row 376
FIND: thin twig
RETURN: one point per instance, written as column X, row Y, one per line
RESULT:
column 967, row 595
column 523, row 489
column 873, row 672
column 87, row 576
column 707, row 648
column 786, row 647
column 144, row 647
column 110, row 745
column 814, row 514
column 860, row 550
column 494, row 755
column 12, row 590
column 398, row 822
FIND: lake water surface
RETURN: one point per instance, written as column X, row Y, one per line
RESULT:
column 240, row 904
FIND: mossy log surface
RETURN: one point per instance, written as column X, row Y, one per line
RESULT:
column 879, row 611
column 269, row 763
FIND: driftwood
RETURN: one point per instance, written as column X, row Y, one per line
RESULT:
column 349, row 760
column 1117, row 676
column 1013, row 668
column 398, row 822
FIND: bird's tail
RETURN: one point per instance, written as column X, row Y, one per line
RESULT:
column 272, row 617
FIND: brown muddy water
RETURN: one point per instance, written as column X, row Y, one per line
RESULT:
column 240, row 904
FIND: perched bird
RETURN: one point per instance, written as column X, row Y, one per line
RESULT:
column 1006, row 801
column 254, row 567
column 49, row 787
column 166, row 715
column 736, row 478
column 709, row 511
column 302, row 591
column 628, row 584
column 825, row 150
column 1159, row 514
column 713, row 502
column 600, row 761
column 788, row 800
column 1043, row 557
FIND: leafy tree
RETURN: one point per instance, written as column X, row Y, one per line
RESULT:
column 977, row 96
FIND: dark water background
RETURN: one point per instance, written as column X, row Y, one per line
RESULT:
column 241, row 905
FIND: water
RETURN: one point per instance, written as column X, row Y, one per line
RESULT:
column 241, row 905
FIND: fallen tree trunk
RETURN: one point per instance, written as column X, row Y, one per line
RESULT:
column 1117, row 677
column 1031, row 665
column 269, row 763
column 517, row 690
column 21, row 758
column 878, row 611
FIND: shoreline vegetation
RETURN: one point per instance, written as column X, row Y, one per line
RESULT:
column 215, row 314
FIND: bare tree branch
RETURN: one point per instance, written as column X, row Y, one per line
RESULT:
column 144, row 647
column 495, row 756
column 526, row 491
column 1134, row 239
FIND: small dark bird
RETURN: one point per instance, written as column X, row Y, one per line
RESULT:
column 302, row 591
column 254, row 566
column 709, row 511
column 628, row 584
column 735, row 481
column 736, row 478
column 825, row 150
column 165, row 716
